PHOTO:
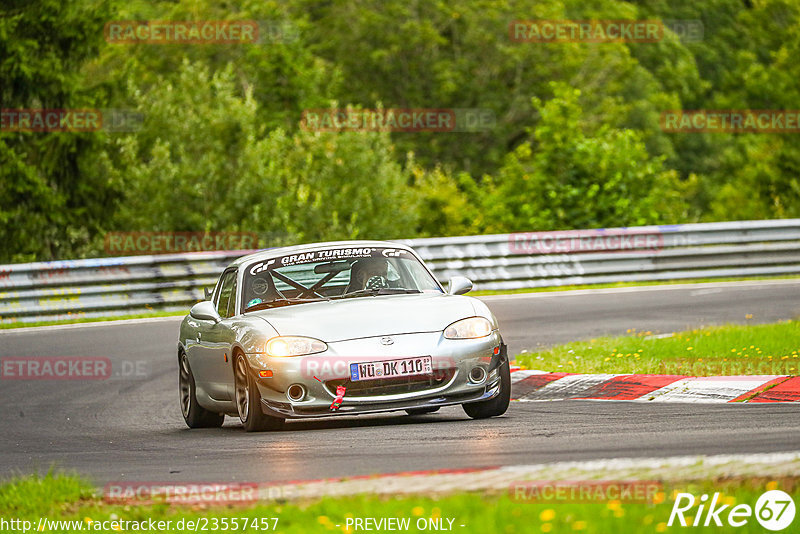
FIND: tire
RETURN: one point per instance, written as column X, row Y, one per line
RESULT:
column 499, row 404
column 422, row 411
column 248, row 399
column 195, row 415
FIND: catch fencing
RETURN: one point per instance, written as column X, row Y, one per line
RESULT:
column 101, row 287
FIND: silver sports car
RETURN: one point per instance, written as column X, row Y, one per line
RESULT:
column 342, row 328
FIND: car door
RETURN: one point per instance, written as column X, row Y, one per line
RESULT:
column 214, row 340
column 220, row 339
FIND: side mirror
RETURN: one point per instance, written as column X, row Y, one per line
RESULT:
column 459, row 285
column 205, row 311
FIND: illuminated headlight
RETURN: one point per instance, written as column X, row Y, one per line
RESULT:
column 294, row 346
column 471, row 328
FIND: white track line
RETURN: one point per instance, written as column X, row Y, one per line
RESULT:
column 501, row 479
column 518, row 375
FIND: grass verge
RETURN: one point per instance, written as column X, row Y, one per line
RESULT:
column 64, row 498
column 7, row 326
column 480, row 293
column 769, row 349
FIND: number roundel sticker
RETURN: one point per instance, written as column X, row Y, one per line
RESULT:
column 775, row 510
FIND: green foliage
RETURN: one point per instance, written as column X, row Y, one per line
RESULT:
column 221, row 147
column 576, row 178
column 444, row 203
column 202, row 161
column 280, row 71
column 766, row 349
column 762, row 179
column 469, row 512
column 49, row 205
column 458, row 54
column 339, row 186
column 747, row 59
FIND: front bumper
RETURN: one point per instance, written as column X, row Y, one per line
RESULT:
column 453, row 360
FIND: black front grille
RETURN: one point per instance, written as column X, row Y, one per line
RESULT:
column 391, row 386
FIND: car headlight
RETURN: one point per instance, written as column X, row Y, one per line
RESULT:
column 471, row 328
column 294, row 346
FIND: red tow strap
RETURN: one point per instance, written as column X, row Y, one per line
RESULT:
column 340, row 390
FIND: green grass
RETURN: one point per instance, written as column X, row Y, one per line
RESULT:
column 480, row 293
column 59, row 497
column 723, row 350
column 5, row 326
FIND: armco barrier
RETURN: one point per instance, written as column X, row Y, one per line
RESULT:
column 115, row 286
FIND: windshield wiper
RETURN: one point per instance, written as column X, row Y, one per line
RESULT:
column 376, row 292
column 281, row 302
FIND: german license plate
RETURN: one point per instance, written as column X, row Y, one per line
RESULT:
column 420, row 365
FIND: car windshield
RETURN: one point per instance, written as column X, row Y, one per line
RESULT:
column 335, row 273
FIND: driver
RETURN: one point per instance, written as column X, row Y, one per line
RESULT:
column 363, row 274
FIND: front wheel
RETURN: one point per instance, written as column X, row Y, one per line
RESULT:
column 195, row 415
column 248, row 400
column 499, row 404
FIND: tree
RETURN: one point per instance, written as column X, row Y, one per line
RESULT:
column 202, row 161
column 568, row 177
column 50, row 203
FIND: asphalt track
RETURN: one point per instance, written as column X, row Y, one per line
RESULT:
column 130, row 428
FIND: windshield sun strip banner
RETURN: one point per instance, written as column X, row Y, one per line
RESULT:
column 326, row 255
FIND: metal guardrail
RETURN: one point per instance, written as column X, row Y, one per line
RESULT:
column 171, row 282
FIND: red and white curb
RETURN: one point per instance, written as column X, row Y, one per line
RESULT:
column 543, row 386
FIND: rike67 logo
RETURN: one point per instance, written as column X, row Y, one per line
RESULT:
column 774, row 510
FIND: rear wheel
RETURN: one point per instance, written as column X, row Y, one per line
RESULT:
column 248, row 400
column 195, row 415
column 422, row 411
column 499, row 404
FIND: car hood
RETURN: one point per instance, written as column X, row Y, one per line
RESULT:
column 339, row 320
